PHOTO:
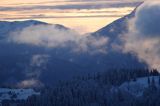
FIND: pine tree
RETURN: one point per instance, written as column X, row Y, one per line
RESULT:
column 159, row 81
column 153, row 85
column 149, row 82
column 134, row 77
column 153, row 81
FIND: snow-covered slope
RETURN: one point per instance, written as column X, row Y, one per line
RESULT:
column 137, row 87
column 16, row 94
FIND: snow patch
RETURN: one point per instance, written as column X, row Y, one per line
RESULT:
column 137, row 87
column 16, row 94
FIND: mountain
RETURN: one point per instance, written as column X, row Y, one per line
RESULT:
column 54, row 64
column 7, row 27
column 115, row 28
column 20, row 62
column 113, row 31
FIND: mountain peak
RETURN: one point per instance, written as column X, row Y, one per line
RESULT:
column 115, row 28
column 7, row 26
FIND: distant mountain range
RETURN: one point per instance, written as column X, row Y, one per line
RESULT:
column 60, row 63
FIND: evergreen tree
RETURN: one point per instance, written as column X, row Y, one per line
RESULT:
column 159, row 81
column 153, row 85
column 149, row 82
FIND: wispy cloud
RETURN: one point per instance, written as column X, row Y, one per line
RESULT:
column 52, row 37
column 71, row 6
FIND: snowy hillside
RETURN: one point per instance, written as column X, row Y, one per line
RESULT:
column 16, row 94
column 138, row 86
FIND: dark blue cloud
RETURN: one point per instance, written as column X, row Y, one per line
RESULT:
column 92, row 5
column 148, row 20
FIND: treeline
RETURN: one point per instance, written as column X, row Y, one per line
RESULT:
column 99, row 89
column 118, row 76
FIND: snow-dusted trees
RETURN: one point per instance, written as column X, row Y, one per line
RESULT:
column 98, row 89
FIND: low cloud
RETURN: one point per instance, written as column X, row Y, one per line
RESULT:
column 143, row 38
column 39, row 59
column 37, row 64
column 30, row 83
column 51, row 36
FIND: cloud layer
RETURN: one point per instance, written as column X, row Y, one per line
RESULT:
column 52, row 37
column 143, row 38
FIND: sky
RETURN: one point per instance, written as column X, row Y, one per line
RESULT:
column 82, row 15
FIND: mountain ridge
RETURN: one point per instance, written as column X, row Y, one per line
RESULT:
column 62, row 62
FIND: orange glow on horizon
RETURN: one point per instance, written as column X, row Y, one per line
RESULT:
column 83, row 20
